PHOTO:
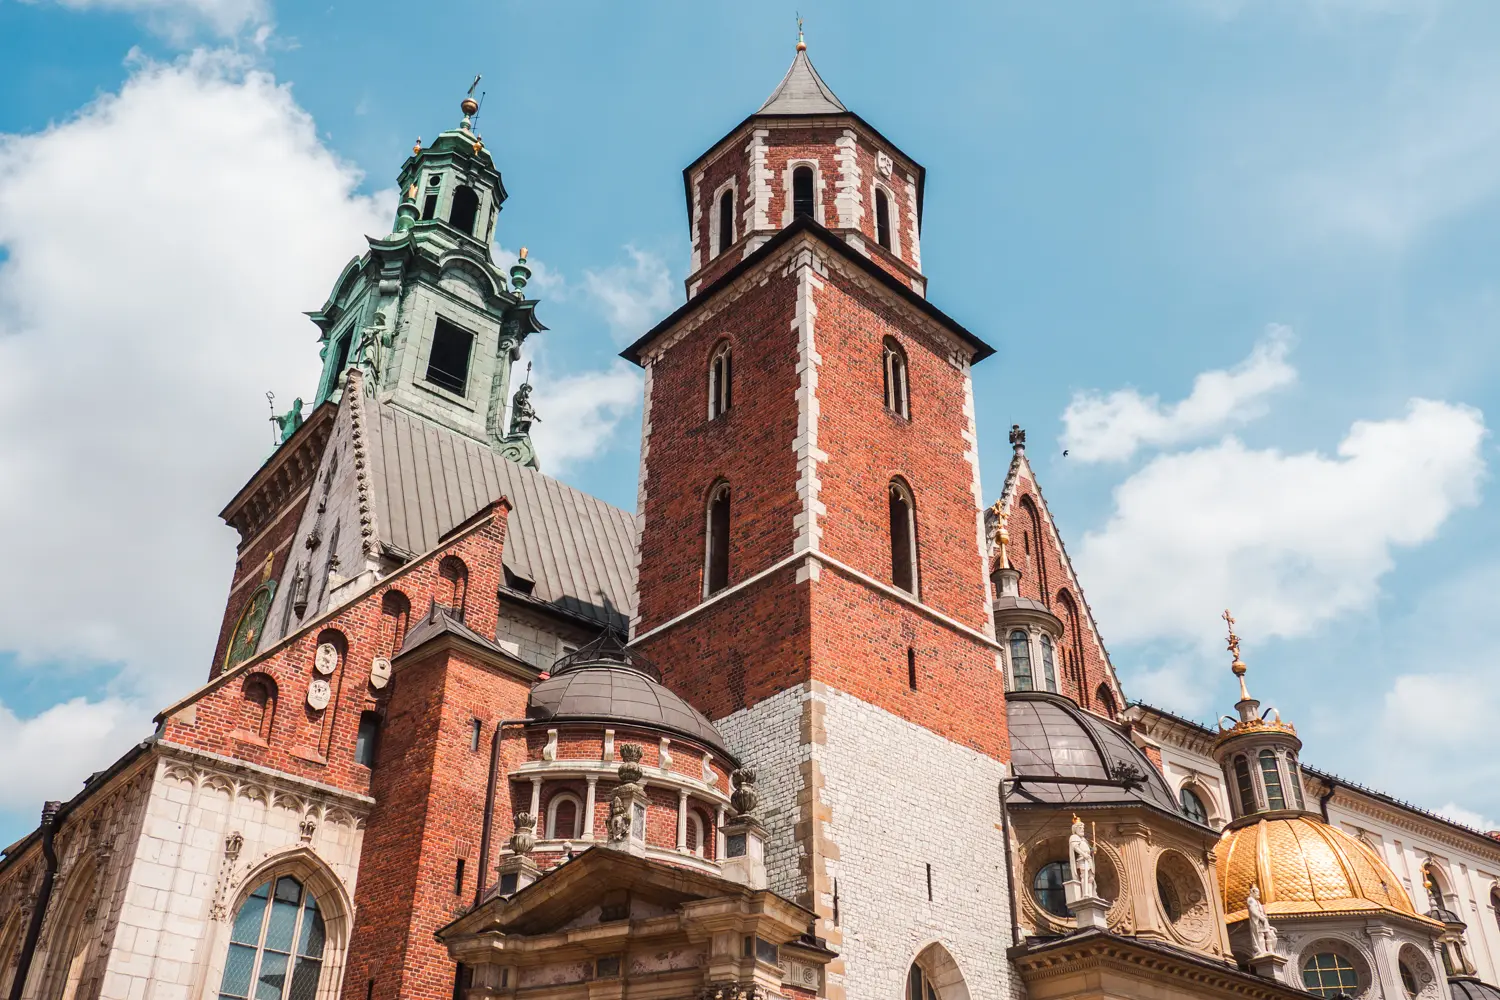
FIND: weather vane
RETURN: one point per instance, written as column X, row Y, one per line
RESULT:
column 1238, row 666
column 801, row 45
column 271, row 402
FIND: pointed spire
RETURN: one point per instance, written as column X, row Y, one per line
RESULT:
column 802, row 91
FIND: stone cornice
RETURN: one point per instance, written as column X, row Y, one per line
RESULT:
column 283, row 477
column 1414, row 822
column 1094, row 951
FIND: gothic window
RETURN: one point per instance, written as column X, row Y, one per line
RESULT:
column 367, row 739
column 1020, row 661
column 1047, row 887
column 1270, row 772
column 882, row 219
column 918, row 987
column 453, row 583
column 726, row 220
column 1049, row 672
column 465, row 209
column 1192, row 806
column 803, row 202
column 720, row 381
column 448, row 360
column 1328, row 974
column 716, row 554
column 903, row 537
column 897, row 388
column 395, row 612
column 1246, row 787
column 258, row 705
column 1106, row 700
column 564, row 817
column 276, row 945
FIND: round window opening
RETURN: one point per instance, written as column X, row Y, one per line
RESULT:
column 1327, row 974
column 1047, row 886
column 1170, row 905
column 1409, row 980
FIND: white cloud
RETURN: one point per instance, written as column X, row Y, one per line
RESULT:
column 1469, row 818
column 581, row 412
column 62, row 746
column 1287, row 540
column 634, row 295
column 180, row 20
column 161, row 246
column 1100, row 428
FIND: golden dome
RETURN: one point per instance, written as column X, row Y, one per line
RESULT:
column 1304, row 866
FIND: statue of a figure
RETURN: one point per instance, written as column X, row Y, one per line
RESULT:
column 288, row 422
column 522, row 413
column 1262, row 934
column 374, row 340
column 619, row 820
column 1081, row 858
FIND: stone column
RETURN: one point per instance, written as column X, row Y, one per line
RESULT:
column 682, row 811
column 1386, row 972
column 588, row 808
column 719, row 835
column 536, row 798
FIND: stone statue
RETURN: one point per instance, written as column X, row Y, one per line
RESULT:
column 1081, row 859
column 619, row 819
column 522, row 413
column 288, row 422
column 374, row 341
column 1262, row 934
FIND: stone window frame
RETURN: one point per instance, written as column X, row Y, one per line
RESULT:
column 819, row 212
column 899, row 485
column 720, row 486
column 893, row 214
column 1034, row 650
column 1364, row 963
column 723, row 348
column 558, row 798
column 715, row 223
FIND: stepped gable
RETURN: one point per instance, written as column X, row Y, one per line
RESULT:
column 576, row 551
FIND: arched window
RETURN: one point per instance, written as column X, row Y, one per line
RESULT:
column 1246, row 787
column 465, row 209
column 1328, row 974
column 1495, row 904
column 726, row 220
column 716, row 546
column 1106, row 700
column 695, row 837
column 564, row 817
column 1047, row 887
column 918, row 987
column 903, row 537
column 276, row 945
column 258, row 705
column 453, row 588
column 395, row 611
column 1270, row 773
column 1020, row 660
column 803, row 202
column 720, row 381
column 897, row 387
column 1049, row 672
column 882, row 219
column 1294, row 772
column 367, row 739
column 1192, row 805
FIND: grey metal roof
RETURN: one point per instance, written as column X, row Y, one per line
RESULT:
column 442, row 621
column 802, row 92
column 1050, row 737
column 1470, row 988
column 1026, row 603
column 578, row 550
column 614, row 691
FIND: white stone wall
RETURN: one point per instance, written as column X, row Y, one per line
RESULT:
column 767, row 737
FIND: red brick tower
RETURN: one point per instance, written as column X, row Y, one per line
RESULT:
column 812, row 560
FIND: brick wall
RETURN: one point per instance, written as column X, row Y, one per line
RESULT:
column 273, row 542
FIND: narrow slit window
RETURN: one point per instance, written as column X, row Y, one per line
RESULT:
column 882, row 219
column 1271, row 773
column 458, row 878
column 465, row 209
column 911, row 668
column 726, row 220
column 802, row 193
column 893, row 360
column 1020, row 660
column 903, row 538
column 476, row 728
column 448, row 361
column 367, row 739
column 717, row 575
column 720, row 382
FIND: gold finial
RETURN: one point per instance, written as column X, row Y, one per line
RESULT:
column 522, row 255
column 801, row 45
column 1238, row 666
column 1002, row 536
column 468, row 106
column 416, row 147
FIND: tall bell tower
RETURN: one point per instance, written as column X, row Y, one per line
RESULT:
column 426, row 312
column 812, row 569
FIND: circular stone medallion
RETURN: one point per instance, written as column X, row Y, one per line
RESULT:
column 327, row 658
column 318, row 694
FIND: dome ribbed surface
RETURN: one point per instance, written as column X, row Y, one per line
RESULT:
column 1470, row 988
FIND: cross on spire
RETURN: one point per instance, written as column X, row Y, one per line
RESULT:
column 1238, row 666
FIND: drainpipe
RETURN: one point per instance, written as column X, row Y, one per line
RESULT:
column 1010, row 878
column 489, row 810
column 1324, row 798
column 43, row 897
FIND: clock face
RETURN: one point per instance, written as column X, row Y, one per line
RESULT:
column 252, row 621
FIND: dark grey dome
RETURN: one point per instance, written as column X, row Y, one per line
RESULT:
column 1023, row 603
column 606, row 681
column 1471, row 988
column 1064, row 755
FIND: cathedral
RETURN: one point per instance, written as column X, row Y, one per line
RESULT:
column 819, row 718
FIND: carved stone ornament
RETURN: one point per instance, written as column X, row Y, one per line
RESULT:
column 307, row 828
column 745, row 796
column 619, row 820
column 319, row 693
column 884, row 163
column 524, row 839
column 326, row 660
column 380, row 672
column 630, row 763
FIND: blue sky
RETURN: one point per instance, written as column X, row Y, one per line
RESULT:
column 1237, row 257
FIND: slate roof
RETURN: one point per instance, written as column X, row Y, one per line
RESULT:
column 578, row 550
column 443, row 621
column 1050, row 737
column 802, row 92
column 1470, row 988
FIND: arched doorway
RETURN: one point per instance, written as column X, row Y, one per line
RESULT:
column 934, row 975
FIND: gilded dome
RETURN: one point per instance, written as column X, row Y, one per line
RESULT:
column 1304, row 866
